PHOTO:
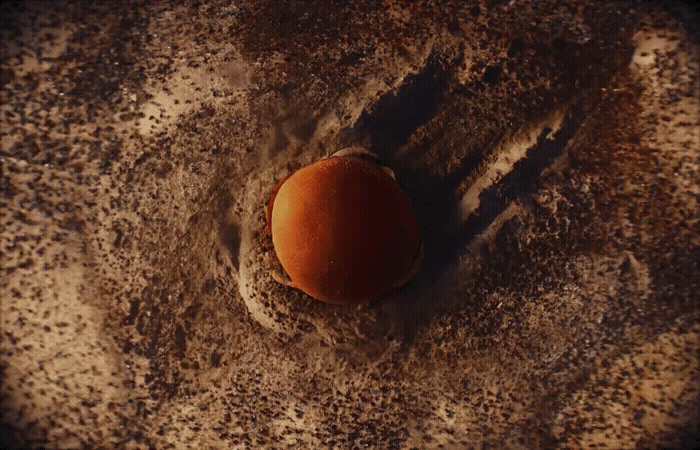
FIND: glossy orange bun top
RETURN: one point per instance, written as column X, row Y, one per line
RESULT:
column 344, row 230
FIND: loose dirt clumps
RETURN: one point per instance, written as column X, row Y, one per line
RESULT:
column 550, row 150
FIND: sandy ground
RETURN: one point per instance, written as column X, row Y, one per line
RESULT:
column 552, row 153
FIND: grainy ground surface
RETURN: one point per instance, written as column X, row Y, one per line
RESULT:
column 552, row 152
